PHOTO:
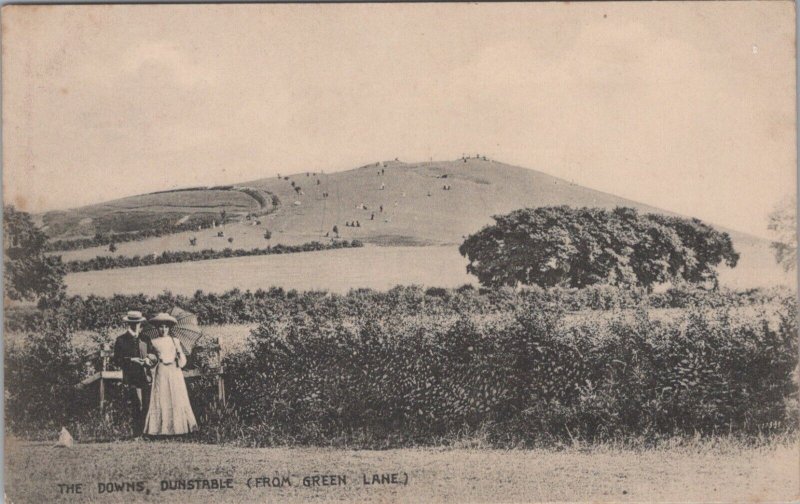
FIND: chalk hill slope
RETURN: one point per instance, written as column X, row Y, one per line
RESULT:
column 423, row 203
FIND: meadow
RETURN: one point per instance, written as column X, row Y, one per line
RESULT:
column 333, row 270
column 701, row 471
column 341, row 270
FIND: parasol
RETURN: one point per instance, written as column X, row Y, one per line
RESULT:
column 187, row 330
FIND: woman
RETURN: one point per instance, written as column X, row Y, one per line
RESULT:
column 170, row 412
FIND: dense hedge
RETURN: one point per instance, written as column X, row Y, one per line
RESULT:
column 532, row 377
column 167, row 257
column 406, row 367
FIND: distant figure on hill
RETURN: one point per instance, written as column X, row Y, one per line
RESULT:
column 317, row 181
column 372, row 217
column 381, row 208
column 383, row 171
column 336, row 230
column 358, row 224
column 383, row 186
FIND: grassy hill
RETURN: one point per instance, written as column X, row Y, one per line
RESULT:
column 417, row 210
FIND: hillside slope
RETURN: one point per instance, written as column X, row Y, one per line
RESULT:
column 166, row 208
column 417, row 209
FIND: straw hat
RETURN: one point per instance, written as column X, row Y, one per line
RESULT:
column 163, row 318
column 134, row 316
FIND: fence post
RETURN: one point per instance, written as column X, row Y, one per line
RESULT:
column 105, row 353
column 221, row 388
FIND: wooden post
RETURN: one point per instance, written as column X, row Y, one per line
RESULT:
column 102, row 393
column 221, row 388
column 105, row 354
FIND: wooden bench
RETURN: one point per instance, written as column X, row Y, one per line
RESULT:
column 100, row 360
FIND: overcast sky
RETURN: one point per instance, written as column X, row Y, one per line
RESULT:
column 685, row 106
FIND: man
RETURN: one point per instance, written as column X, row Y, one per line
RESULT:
column 130, row 354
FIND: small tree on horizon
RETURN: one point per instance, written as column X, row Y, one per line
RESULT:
column 783, row 225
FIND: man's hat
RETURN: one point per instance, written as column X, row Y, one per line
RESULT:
column 133, row 317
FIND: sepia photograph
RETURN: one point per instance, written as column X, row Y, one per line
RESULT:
column 400, row 252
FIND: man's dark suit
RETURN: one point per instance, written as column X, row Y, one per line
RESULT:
column 135, row 377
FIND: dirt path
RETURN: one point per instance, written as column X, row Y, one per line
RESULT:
column 34, row 470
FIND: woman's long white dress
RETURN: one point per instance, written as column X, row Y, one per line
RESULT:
column 170, row 412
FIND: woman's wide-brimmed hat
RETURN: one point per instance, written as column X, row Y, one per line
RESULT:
column 134, row 316
column 163, row 319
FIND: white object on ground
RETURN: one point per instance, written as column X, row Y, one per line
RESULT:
column 65, row 438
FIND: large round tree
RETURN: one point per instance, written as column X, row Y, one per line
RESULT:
column 576, row 247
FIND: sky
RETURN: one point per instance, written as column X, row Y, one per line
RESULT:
column 685, row 106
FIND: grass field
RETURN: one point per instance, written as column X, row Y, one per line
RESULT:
column 341, row 270
column 699, row 472
column 333, row 270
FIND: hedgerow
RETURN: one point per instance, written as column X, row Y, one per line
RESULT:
column 529, row 378
column 168, row 257
column 405, row 367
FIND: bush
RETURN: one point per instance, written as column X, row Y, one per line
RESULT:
column 40, row 379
